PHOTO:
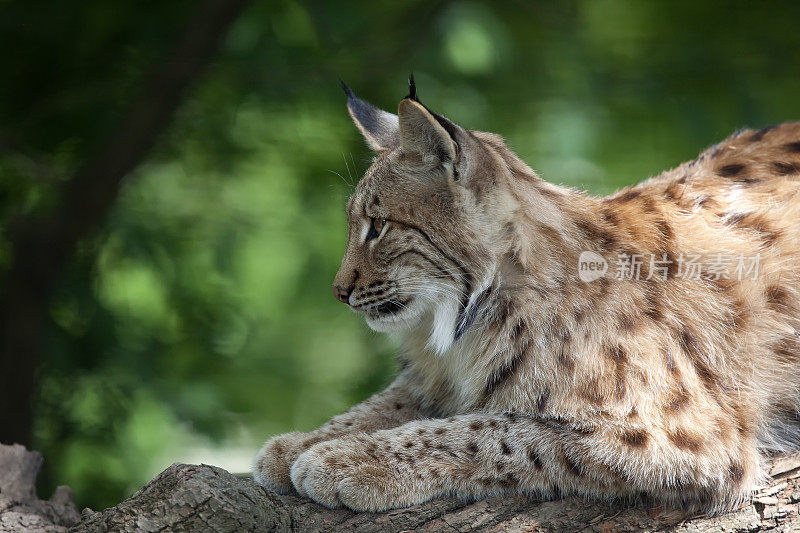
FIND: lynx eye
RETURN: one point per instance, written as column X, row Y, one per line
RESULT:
column 375, row 228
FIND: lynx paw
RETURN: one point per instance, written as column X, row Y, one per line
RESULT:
column 343, row 472
column 272, row 465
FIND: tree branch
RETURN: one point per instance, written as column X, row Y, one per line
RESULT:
column 20, row 509
column 208, row 499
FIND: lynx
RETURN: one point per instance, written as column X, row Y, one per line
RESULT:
column 646, row 343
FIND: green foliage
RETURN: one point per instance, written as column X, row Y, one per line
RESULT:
column 200, row 320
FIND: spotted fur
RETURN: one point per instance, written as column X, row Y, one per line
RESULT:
column 516, row 376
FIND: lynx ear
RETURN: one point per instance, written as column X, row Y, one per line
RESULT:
column 425, row 133
column 379, row 128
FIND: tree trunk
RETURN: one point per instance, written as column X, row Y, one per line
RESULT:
column 40, row 247
column 208, row 499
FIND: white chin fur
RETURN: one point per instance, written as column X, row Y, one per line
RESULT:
column 442, row 316
column 403, row 320
column 443, row 326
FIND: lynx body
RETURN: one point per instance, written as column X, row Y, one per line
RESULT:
column 518, row 374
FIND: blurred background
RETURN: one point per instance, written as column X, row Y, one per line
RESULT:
column 173, row 177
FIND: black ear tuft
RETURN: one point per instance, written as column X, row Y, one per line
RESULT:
column 346, row 89
column 380, row 128
column 412, row 88
column 412, row 95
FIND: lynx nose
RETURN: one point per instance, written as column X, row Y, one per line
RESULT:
column 343, row 294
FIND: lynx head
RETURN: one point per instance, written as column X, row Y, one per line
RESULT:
column 423, row 222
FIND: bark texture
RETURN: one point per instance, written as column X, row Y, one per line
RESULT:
column 20, row 508
column 205, row 498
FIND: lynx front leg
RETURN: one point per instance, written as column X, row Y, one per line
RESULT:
column 389, row 408
column 480, row 454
